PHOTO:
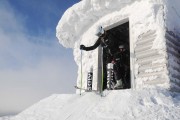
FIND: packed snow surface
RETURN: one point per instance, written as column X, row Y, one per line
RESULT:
column 146, row 104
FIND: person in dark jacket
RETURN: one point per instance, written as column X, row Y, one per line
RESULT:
column 109, row 44
column 107, row 41
column 121, row 64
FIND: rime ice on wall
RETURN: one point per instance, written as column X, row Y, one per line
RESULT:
column 173, row 51
column 172, row 18
column 148, row 23
column 152, row 69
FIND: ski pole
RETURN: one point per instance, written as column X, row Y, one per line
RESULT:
column 81, row 73
column 102, row 67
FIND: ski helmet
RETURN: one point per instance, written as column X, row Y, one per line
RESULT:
column 99, row 31
column 121, row 46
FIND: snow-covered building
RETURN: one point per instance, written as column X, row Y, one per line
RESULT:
column 151, row 30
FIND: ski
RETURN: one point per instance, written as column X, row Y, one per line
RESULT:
column 90, row 79
column 110, row 75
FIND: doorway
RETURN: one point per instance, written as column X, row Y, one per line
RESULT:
column 120, row 36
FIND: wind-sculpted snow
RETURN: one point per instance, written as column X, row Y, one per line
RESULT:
column 77, row 19
column 147, row 104
column 82, row 16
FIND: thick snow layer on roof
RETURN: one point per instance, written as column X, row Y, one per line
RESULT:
column 83, row 15
column 78, row 19
column 147, row 104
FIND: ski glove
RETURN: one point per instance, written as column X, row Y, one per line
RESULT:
column 82, row 47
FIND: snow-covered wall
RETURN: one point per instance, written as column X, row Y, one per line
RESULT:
column 173, row 51
column 147, row 32
column 172, row 18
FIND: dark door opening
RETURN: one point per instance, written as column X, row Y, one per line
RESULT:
column 120, row 36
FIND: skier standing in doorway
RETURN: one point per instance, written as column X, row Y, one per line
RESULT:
column 121, row 67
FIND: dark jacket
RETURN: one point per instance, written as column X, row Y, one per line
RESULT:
column 109, row 42
column 121, row 58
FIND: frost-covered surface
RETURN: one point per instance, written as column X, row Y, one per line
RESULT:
column 146, row 104
column 83, row 15
column 173, row 42
column 87, row 14
column 78, row 24
column 80, row 17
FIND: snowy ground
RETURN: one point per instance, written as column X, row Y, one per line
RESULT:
column 147, row 104
column 6, row 118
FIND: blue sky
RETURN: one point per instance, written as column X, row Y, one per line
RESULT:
column 33, row 65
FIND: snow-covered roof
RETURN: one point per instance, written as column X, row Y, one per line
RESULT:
column 77, row 19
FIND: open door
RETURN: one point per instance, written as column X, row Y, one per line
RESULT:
column 120, row 34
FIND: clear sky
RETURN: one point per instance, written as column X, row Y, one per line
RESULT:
column 33, row 65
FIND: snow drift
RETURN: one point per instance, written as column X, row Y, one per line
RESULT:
column 147, row 104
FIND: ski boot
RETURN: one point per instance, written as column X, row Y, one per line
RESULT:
column 119, row 85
